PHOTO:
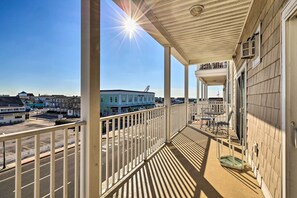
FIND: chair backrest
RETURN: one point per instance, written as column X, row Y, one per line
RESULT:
column 203, row 110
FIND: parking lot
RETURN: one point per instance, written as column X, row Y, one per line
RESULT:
column 35, row 122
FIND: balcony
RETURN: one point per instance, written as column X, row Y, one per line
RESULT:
column 213, row 73
column 135, row 160
column 161, row 152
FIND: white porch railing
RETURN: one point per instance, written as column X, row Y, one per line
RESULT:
column 178, row 118
column 129, row 139
column 19, row 155
column 216, row 106
column 192, row 112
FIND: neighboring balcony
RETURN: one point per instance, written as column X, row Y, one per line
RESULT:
column 212, row 73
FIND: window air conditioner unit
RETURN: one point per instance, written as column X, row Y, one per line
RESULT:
column 248, row 49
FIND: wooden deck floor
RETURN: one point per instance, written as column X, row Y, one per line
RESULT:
column 188, row 167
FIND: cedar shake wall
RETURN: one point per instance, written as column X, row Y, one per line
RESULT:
column 263, row 92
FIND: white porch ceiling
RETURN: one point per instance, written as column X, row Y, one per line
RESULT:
column 212, row 36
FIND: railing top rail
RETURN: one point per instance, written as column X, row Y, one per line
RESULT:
column 29, row 133
column 130, row 113
column 176, row 105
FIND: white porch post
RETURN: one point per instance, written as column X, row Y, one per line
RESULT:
column 227, row 91
column 90, row 168
column 202, row 91
column 206, row 91
column 198, row 90
column 187, row 91
column 167, row 86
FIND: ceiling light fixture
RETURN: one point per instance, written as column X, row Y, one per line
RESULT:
column 196, row 10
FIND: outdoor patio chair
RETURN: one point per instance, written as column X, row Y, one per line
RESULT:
column 222, row 123
column 205, row 117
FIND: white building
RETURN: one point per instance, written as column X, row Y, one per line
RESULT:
column 12, row 110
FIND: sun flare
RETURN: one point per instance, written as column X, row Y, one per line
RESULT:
column 130, row 26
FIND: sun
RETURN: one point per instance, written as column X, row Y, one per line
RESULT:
column 130, row 26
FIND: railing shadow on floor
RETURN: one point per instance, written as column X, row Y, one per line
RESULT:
column 244, row 176
column 175, row 171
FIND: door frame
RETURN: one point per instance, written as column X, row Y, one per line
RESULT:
column 287, row 11
column 243, row 68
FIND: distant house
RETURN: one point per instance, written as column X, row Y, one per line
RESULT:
column 123, row 101
column 12, row 110
column 25, row 95
column 68, row 105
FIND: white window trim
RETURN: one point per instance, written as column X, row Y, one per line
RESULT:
column 257, row 59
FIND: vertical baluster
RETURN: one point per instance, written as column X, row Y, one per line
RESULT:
column 164, row 124
column 37, row 167
column 153, row 130
column 128, row 135
column 156, row 130
column 145, row 133
column 100, row 158
column 141, row 136
column 113, row 150
column 123, row 156
column 150, row 132
column 132, row 139
column 52, row 166
column 107, row 155
column 159, row 126
column 76, row 164
column 65, row 164
column 138, row 138
column 119, row 147
column 135, row 139
column 18, row 168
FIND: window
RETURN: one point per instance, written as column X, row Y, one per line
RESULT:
column 110, row 99
column 140, row 99
column 123, row 98
column 256, row 46
column 144, row 98
column 18, row 117
column 130, row 98
column 116, row 99
column 135, row 99
column 1, row 118
column 101, row 99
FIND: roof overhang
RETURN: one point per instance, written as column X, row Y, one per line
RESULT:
column 211, row 36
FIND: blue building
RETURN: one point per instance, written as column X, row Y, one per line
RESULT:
column 123, row 101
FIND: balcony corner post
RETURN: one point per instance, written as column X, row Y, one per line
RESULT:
column 90, row 158
column 167, row 91
column 186, row 67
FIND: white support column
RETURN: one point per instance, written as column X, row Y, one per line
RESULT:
column 198, row 90
column 187, row 91
column 90, row 168
column 206, row 92
column 167, row 87
column 202, row 91
column 227, row 90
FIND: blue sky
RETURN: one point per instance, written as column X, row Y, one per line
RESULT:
column 40, row 51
